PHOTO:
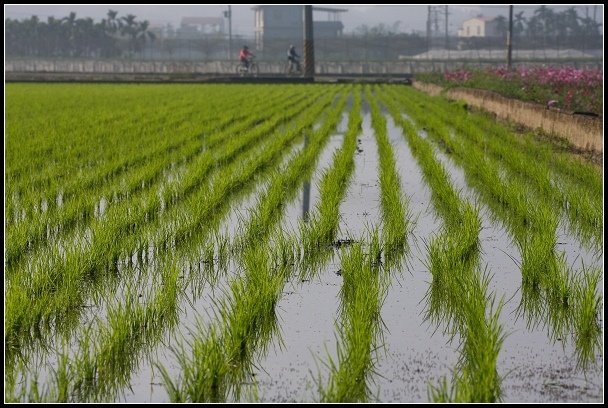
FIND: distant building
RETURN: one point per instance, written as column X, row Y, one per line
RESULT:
column 202, row 25
column 479, row 27
column 285, row 24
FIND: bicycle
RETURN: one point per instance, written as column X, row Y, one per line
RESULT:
column 242, row 70
column 293, row 67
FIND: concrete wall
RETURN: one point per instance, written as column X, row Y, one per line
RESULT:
column 584, row 132
column 228, row 67
column 203, row 67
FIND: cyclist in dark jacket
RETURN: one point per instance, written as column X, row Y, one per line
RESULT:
column 292, row 57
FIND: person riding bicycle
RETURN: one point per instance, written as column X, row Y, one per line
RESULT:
column 292, row 57
column 245, row 56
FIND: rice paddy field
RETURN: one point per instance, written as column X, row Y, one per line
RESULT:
column 293, row 243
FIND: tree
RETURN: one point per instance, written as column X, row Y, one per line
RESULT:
column 501, row 26
column 519, row 24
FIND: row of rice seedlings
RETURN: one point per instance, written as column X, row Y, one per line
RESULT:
column 81, row 163
column 542, row 222
column 105, row 172
column 240, row 175
column 24, row 236
column 137, row 119
column 193, row 181
column 562, row 163
column 577, row 187
column 268, row 203
column 319, row 233
column 583, row 211
column 284, row 251
column 395, row 214
column 362, row 294
column 242, row 314
column 457, row 295
column 52, row 290
column 286, row 183
column 102, row 364
column 549, row 290
column 102, row 174
column 248, row 317
column 220, row 356
column 25, row 121
column 109, row 238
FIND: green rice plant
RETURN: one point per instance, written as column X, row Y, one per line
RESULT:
column 395, row 215
column 497, row 143
column 362, row 294
column 285, row 184
column 106, row 248
column 457, row 295
column 104, row 363
column 532, row 223
column 204, row 372
column 320, row 231
column 246, row 326
column 587, row 312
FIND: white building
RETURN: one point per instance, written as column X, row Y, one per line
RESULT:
column 479, row 27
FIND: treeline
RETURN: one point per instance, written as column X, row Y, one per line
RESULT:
column 547, row 28
column 113, row 36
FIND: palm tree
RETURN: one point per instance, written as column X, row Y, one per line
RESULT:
column 519, row 24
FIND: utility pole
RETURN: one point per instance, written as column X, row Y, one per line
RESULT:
column 228, row 15
column 428, row 30
column 434, row 16
column 510, row 38
column 309, row 46
column 447, row 38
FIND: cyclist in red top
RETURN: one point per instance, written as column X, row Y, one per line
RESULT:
column 245, row 56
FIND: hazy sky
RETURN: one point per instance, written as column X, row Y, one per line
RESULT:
column 410, row 17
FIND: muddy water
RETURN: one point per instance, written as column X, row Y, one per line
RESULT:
column 360, row 210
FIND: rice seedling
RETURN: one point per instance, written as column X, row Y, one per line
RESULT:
column 532, row 223
column 394, row 209
column 457, row 296
column 105, row 248
column 320, row 231
column 361, row 295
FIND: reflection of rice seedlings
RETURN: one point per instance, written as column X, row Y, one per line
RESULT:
column 361, row 294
